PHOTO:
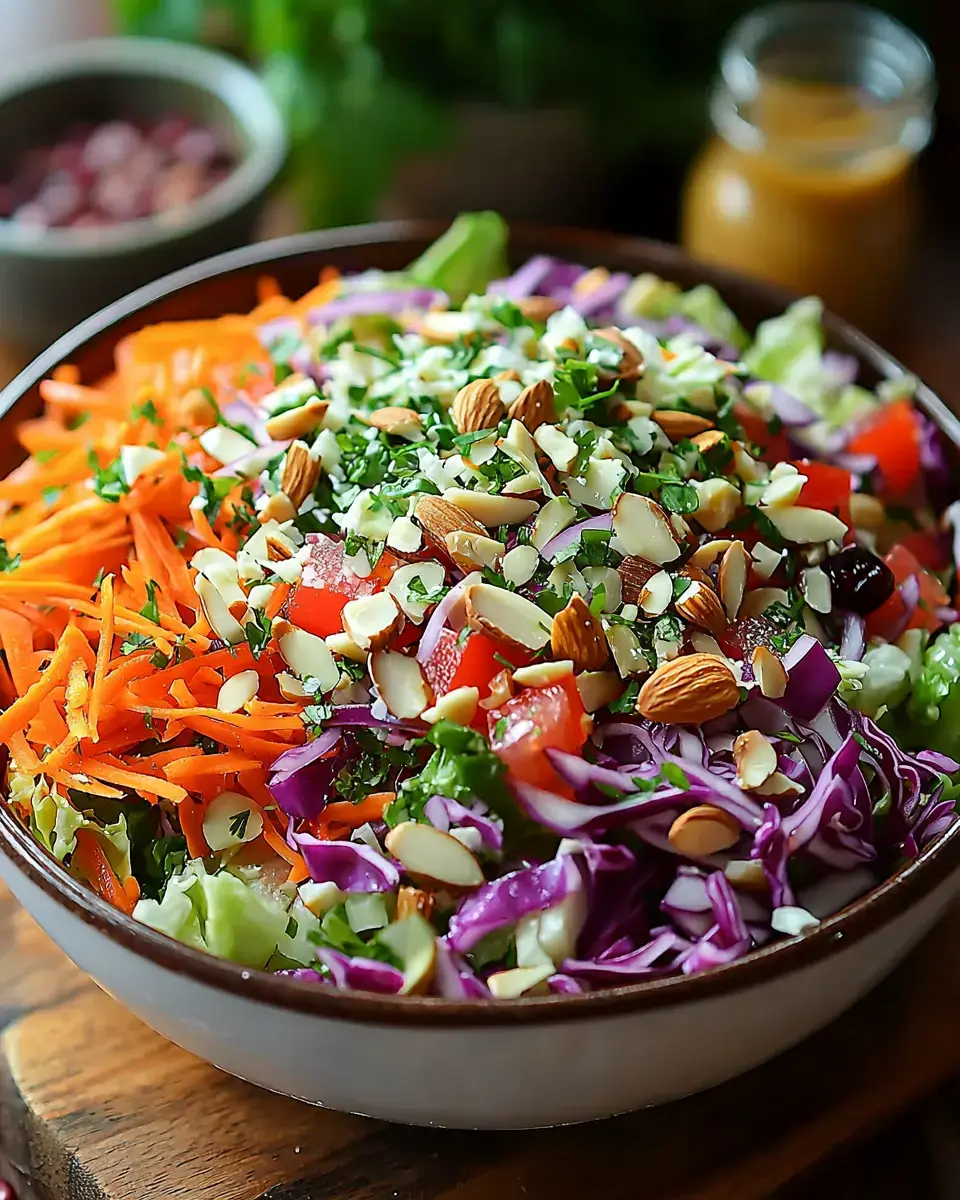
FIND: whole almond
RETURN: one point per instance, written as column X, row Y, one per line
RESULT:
column 699, row 605
column 300, row 475
column 631, row 360
column 635, row 573
column 438, row 518
column 510, row 376
column 394, row 420
column 534, row 406
column 680, row 425
column 578, row 635
column 703, row 830
column 538, row 308
column 478, row 406
column 689, row 690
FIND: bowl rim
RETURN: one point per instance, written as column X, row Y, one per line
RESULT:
column 909, row 885
column 227, row 79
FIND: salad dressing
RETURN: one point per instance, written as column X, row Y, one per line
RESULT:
column 809, row 180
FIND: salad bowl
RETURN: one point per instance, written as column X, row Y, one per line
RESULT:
column 427, row 1060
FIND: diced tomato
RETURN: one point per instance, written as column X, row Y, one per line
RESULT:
column 471, row 663
column 889, row 616
column 892, row 435
column 775, row 446
column 827, row 487
column 325, row 587
column 536, row 720
column 926, row 548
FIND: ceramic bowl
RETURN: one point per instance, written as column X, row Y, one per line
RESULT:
column 514, row 1064
column 50, row 279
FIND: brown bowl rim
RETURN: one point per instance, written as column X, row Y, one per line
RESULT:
column 907, row 886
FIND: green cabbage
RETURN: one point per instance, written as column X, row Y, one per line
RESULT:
column 788, row 351
column 655, row 299
column 929, row 717
column 231, row 917
column 465, row 259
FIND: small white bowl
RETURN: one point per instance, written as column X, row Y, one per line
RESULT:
column 424, row 1061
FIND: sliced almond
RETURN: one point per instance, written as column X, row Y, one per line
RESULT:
column 555, row 516
column 642, row 528
column 238, row 690
column 700, row 606
column 471, row 551
column 520, row 981
column 747, row 874
column 290, row 686
column 577, row 635
column 447, row 327
column 707, row 554
column 405, row 537
column 415, row 900
column 732, row 578
column 217, row 614
column 627, row 651
column 543, row 674
column 598, row 689
column 697, row 574
column 478, row 406
column 231, row 819
column 717, row 503
column 538, row 308
column 706, row 441
column 509, row 618
column 703, row 643
column 306, row 655
column 805, row 526
column 489, row 508
column 689, row 690
column 534, row 406
column 344, row 645
column 656, row 594
column 520, row 564
column 279, row 507
column 296, row 422
column 459, row 706
column 560, row 449
column 680, row 425
column 278, row 548
column 528, row 486
column 779, row 785
column 702, row 831
column 769, row 672
column 438, row 518
column 300, row 475
column 412, row 585
column 630, row 367
column 501, row 689
column 428, row 853
column 764, row 560
column 395, row 421
column 759, row 600
column 400, row 683
column 755, row 757
column 372, row 621
column 635, row 573
column 783, row 491
column 815, row 585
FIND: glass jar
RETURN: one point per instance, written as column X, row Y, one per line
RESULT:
column 819, row 113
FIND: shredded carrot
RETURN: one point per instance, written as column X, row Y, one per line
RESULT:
column 104, row 646
column 190, row 813
column 341, row 818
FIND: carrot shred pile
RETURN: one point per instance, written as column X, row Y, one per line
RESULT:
column 110, row 672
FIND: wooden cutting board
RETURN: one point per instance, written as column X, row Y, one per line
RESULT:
column 95, row 1106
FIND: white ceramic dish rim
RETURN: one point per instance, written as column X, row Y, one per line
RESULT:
column 233, row 84
column 911, row 883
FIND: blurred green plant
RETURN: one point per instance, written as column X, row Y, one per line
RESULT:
column 366, row 83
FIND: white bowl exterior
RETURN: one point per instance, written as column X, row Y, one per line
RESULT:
column 497, row 1076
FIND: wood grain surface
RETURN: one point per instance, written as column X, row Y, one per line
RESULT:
column 95, row 1106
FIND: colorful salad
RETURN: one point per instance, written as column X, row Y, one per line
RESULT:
column 480, row 635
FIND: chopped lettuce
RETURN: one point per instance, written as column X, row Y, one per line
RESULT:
column 55, row 821
column 788, row 350
column 655, row 299
column 466, row 258
column 232, row 917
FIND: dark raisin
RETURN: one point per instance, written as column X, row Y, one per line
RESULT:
column 859, row 581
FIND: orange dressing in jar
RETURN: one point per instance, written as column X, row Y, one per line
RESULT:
column 819, row 113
